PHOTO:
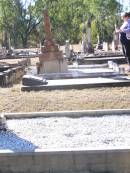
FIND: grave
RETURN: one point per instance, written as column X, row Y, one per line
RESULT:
column 94, row 141
column 53, row 69
column 12, row 73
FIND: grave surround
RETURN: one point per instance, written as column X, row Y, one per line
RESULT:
column 85, row 160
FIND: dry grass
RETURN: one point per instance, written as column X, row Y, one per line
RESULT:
column 13, row 100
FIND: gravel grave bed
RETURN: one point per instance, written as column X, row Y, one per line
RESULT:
column 59, row 133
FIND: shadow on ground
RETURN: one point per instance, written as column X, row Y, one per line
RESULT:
column 10, row 141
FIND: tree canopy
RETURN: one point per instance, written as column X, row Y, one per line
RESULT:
column 21, row 21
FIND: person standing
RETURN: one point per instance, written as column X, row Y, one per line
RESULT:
column 125, row 36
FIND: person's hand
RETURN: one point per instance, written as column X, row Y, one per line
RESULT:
column 118, row 30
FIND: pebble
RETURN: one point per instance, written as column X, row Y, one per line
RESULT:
column 59, row 133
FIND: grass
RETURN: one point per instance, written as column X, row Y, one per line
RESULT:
column 13, row 100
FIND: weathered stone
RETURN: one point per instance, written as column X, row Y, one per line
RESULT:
column 51, row 57
column 113, row 46
column 105, row 46
column 29, row 80
column 89, row 39
column 67, row 50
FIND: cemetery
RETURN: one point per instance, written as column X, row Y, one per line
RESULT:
column 64, row 88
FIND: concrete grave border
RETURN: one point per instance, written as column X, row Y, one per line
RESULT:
column 71, row 114
column 87, row 160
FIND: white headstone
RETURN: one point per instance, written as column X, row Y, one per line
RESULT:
column 67, row 49
column 105, row 46
column 113, row 46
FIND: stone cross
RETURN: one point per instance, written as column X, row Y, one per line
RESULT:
column 47, row 26
column 49, row 44
column 51, row 59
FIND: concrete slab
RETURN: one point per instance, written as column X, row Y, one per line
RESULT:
column 80, row 83
column 82, row 71
column 100, row 60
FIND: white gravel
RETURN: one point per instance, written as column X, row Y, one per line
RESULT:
column 59, row 133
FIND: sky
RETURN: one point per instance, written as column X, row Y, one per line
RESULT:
column 126, row 4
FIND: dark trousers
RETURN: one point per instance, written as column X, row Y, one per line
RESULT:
column 126, row 50
column 125, row 46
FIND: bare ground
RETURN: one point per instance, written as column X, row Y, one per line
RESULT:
column 13, row 100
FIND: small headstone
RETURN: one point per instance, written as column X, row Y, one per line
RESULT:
column 105, row 46
column 3, row 124
column 84, row 39
column 90, row 48
column 29, row 80
column 99, row 45
column 121, row 70
column 113, row 46
column 113, row 65
column 110, row 64
column 67, row 50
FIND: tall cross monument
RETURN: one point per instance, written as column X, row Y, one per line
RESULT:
column 51, row 59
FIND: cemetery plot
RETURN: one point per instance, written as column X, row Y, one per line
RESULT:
column 12, row 73
column 59, row 133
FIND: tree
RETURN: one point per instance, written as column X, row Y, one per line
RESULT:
column 19, row 20
column 105, row 15
column 68, row 15
column 22, row 21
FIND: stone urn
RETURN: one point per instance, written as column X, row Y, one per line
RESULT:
column 3, row 123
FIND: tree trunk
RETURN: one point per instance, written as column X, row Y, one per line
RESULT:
column 5, row 40
column 16, row 45
column 15, row 37
column 25, row 41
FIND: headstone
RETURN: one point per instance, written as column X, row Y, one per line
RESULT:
column 116, row 39
column 105, row 46
column 67, row 50
column 113, row 65
column 84, row 39
column 3, row 124
column 113, row 46
column 89, row 39
column 99, row 45
column 122, row 70
column 51, row 59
